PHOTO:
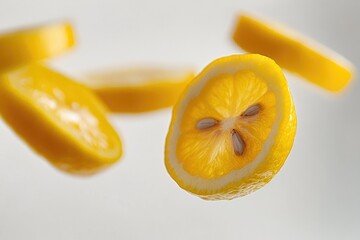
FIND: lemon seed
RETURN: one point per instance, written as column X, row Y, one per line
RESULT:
column 238, row 142
column 251, row 111
column 206, row 123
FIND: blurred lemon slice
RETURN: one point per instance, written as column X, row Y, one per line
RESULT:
column 60, row 119
column 232, row 129
column 294, row 52
column 141, row 89
column 34, row 44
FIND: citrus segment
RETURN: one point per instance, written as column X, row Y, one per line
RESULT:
column 34, row 44
column 294, row 52
column 232, row 128
column 58, row 118
column 139, row 89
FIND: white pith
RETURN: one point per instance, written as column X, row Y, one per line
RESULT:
column 228, row 123
column 216, row 184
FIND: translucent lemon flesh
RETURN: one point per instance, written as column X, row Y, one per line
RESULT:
column 294, row 52
column 141, row 89
column 232, row 128
column 210, row 153
column 34, row 44
column 58, row 118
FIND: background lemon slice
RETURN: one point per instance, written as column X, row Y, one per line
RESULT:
column 294, row 52
column 232, row 129
column 139, row 89
column 33, row 44
column 60, row 119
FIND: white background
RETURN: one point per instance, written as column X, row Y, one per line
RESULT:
column 315, row 196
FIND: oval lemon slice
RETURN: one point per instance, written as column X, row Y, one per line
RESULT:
column 294, row 52
column 34, row 44
column 139, row 89
column 60, row 119
column 232, row 129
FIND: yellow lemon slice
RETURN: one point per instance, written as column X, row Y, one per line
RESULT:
column 34, row 44
column 232, row 129
column 294, row 52
column 60, row 119
column 140, row 89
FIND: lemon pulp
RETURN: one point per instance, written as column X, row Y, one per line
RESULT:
column 209, row 153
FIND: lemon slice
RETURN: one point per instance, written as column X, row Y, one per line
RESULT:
column 139, row 89
column 34, row 44
column 294, row 52
column 232, row 129
column 60, row 119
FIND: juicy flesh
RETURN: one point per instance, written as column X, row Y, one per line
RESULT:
column 67, row 105
column 243, row 112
